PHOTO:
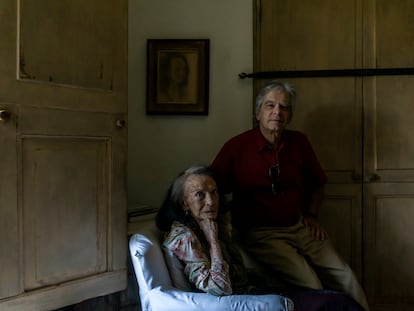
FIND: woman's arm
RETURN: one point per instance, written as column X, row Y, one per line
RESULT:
column 206, row 270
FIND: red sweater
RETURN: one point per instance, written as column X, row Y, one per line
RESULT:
column 242, row 167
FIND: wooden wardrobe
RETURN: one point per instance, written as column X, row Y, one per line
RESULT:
column 361, row 126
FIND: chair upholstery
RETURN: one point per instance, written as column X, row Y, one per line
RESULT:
column 157, row 291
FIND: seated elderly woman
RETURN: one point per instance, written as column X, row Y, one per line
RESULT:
column 189, row 216
column 198, row 233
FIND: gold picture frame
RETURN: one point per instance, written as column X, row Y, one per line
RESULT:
column 177, row 76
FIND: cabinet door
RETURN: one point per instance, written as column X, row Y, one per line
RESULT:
column 389, row 161
column 63, row 158
column 9, row 230
column 312, row 35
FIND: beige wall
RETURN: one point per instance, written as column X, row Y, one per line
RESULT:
column 161, row 146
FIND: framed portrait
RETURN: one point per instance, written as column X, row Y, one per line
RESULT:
column 178, row 76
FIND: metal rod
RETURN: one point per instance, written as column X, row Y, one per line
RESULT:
column 328, row 73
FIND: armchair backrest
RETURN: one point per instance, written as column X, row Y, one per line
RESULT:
column 147, row 258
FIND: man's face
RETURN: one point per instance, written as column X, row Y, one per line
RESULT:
column 276, row 111
column 201, row 197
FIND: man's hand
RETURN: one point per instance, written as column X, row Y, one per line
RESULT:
column 317, row 231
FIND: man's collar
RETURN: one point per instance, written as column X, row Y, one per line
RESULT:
column 261, row 142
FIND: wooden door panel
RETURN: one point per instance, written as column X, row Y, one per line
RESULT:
column 65, row 207
column 64, row 294
column 389, row 99
column 75, row 57
column 72, row 54
column 343, row 204
column 393, row 128
column 329, row 112
column 389, row 245
column 8, row 31
column 50, row 121
column 9, row 214
column 71, row 213
column 394, row 50
column 308, row 35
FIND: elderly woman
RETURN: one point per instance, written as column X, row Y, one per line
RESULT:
column 191, row 218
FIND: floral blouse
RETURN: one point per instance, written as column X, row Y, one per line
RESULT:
column 213, row 276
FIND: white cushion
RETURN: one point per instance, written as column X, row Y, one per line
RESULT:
column 176, row 269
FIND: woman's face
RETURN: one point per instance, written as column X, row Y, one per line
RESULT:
column 178, row 70
column 201, row 198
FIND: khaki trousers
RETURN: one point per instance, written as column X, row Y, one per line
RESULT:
column 299, row 259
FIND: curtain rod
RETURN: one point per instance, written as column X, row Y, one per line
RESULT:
column 328, row 73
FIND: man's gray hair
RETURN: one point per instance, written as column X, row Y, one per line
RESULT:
column 275, row 85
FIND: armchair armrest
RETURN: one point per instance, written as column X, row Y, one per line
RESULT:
column 171, row 299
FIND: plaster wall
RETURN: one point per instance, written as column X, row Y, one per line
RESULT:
column 159, row 147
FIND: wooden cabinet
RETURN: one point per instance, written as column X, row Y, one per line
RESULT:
column 360, row 126
column 63, row 152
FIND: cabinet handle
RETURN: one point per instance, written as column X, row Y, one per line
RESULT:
column 120, row 123
column 374, row 177
column 4, row 115
column 356, row 176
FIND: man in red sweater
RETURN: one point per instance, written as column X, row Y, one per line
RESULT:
column 277, row 186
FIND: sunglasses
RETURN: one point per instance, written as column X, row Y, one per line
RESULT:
column 274, row 173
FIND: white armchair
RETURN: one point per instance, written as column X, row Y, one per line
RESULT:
column 157, row 291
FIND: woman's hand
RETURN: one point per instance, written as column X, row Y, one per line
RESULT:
column 317, row 231
column 210, row 230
